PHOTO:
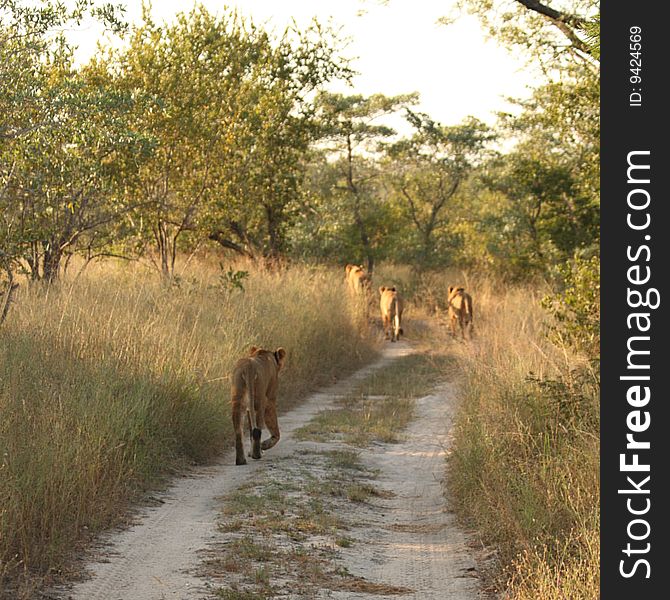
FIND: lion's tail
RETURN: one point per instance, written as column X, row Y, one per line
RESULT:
column 255, row 423
column 249, row 378
column 395, row 315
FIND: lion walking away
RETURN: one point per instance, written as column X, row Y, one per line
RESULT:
column 392, row 305
column 254, row 393
column 358, row 281
column 460, row 310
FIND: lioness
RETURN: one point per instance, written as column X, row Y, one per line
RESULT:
column 357, row 279
column 348, row 268
column 459, row 310
column 360, row 281
column 254, row 391
column 392, row 305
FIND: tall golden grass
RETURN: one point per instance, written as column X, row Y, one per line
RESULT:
column 111, row 380
column 525, row 464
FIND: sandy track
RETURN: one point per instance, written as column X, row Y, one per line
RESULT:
column 156, row 558
column 409, row 540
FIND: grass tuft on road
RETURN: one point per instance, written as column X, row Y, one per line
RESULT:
column 284, row 534
column 382, row 405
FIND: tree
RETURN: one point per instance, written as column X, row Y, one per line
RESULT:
column 555, row 170
column 27, row 44
column 259, row 196
column 552, row 35
column 69, row 173
column 231, row 119
column 186, row 71
column 326, row 228
column 427, row 170
column 562, row 122
column 348, row 123
column 57, row 135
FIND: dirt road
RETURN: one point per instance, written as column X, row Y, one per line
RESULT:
column 395, row 540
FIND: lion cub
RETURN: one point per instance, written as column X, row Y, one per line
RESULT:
column 460, row 310
column 254, row 392
column 391, row 305
column 357, row 279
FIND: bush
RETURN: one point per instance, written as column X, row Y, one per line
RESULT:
column 576, row 307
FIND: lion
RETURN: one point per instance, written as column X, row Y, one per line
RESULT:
column 348, row 269
column 347, row 273
column 460, row 310
column 254, row 392
column 360, row 281
column 357, row 279
column 392, row 306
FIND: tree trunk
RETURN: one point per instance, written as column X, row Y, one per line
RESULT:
column 51, row 261
column 358, row 218
column 163, row 245
column 33, row 260
column 427, row 248
column 6, row 301
column 274, row 234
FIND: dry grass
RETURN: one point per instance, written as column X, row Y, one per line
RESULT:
column 382, row 405
column 285, row 528
column 525, row 462
column 113, row 380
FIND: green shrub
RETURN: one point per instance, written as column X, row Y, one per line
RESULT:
column 576, row 307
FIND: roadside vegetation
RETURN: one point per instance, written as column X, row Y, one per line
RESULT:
column 113, row 380
column 525, row 464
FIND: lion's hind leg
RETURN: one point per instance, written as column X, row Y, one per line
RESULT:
column 469, row 328
column 272, row 425
column 257, row 428
column 387, row 326
column 452, row 324
column 238, row 426
column 254, row 434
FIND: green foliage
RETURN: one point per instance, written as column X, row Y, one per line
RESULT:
column 539, row 203
column 561, row 123
column 426, row 172
column 441, row 197
column 232, row 279
column 195, row 129
column 210, row 128
column 576, row 307
column 347, row 123
column 67, row 141
column 67, row 174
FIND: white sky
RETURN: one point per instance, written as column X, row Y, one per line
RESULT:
column 399, row 49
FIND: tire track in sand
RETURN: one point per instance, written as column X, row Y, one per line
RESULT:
column 411, row 539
